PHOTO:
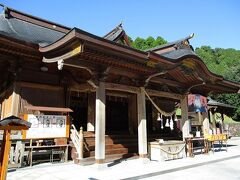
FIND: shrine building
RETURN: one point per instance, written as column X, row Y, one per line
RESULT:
column 122, row 97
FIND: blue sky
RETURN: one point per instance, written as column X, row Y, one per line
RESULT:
column 214, row 22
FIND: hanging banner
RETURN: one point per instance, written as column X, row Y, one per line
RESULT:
column 47, row 126
column 197, row 103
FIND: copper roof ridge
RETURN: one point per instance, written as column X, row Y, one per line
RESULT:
column 34, row 19
column 163, row 46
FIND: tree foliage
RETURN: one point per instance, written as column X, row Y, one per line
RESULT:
column 149, row 42
column 225, row 62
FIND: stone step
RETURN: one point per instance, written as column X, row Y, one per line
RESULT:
column 111, row 141
column 114, row 146
column 112, row 151
column 115, row 158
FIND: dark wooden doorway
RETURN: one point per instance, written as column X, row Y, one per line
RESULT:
column 116, row 115
column 79, row 105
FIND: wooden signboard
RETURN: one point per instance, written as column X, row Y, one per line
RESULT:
column 47, row 126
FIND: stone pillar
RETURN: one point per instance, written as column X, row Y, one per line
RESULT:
column 91, row 112
column 142, row 124
column 213, row 121
column 205, row 123
column 100, row 124
column 185, row 122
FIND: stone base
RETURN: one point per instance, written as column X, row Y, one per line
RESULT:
column 100, row 167
column 143, row 155
column 99, row 161
column 144, row 160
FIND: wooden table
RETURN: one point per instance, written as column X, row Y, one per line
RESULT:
column 191, row 148
column 48, row 149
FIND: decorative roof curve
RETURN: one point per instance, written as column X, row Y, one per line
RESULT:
column 181, row 43
column 118, row 35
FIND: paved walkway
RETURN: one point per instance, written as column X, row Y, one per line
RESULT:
column 220, row 165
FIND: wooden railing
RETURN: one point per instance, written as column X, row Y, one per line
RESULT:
column 77, row 140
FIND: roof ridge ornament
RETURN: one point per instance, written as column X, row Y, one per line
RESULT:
column 191, row 36
column 121, row 24
column 3, row 8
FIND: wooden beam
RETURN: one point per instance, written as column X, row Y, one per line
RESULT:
column 130, row 89
column 48, row 109
column 166, row 81
column 20, row 52
column 82, row 88
column 6, row 40
column 40, row 86
column 124, row 72
column 13, row 127
column 121, row 87
column 118, row 94
column 164, row 94
column 77, row 49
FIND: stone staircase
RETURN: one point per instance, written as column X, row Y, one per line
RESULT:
column 118, row 147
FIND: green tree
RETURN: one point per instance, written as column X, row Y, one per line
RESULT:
column 159, row 41
column 139, row 43
column 150, row 42
column 225, row 62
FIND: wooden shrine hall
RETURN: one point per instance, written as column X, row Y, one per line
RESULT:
column 113, row 89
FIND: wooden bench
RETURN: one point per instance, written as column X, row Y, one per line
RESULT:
column 220, row 138
column 51, row 150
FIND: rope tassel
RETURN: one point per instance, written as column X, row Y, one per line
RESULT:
column 158, row 109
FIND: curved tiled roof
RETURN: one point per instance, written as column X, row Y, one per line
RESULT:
column 178, row 53
column 28, row 32
column 212, row 102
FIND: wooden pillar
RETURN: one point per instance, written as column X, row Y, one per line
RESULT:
column 142, row 124
column 15, row 100
column 5, row 148
column 185, row 122
column 91, row 112
column 100, row 124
